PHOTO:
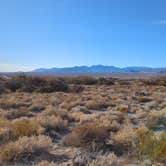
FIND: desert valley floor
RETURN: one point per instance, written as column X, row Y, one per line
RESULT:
column 112, row 125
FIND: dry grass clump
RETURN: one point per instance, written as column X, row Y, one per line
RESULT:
column 5, row 135
column 25, row 147
column 52, row 111
column 124, row 139
column 104, row 160
column 45, row 163
column 144, row 99
column 151, row 146
column 110, row 122
column 97, row 103
column 123, row 108
column 52, row 122
column 25, row 127
column 156, row 119
column 89, row 135
column 3, row 121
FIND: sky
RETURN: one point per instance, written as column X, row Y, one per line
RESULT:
column 64, row 33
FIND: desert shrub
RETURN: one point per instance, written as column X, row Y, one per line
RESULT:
column 124, row 140
column 53, row 123
column 86, row 80
column 106, row 81
column 151, row 146
column 72, row 139
column 5, row 135
column 96, row 104
column 2, row 88
column 155, row 119
column 25, row 147
column 54, row 126
column 13, row 85
column 54, row 86
column 3, row 121
column 25, row 127
column 157, row 81
column 124, row 82
column 123, row 108
column 90, row 135
column 144, row 99
column 76, row 88
column 35, row 83
column 104, row 160
column 45, row 163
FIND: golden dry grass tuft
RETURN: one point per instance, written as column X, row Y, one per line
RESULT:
column 25, row 127
column 52, row 122
column 88, row 135
column 104, row 160
column 45, row 163
column 124, row 139
column 25, row 147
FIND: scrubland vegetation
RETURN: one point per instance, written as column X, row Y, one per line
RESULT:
column 82, row 121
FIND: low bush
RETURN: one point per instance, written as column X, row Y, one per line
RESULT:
column 85, row 80
column 151, row 146
column 156, row 81
column 89, row 135
column 124, row 140
column 13, row 85
column 35, row 83
column 2, row 88
column 52, row 122
column 6, row 135
column 96, row 104
column 104, row 160
column 25, row 147
column 45, row 163
column 156, row 119
column 25, row 127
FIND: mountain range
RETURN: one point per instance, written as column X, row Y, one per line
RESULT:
column 97, row 69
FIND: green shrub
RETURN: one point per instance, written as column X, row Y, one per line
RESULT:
column 151, row 146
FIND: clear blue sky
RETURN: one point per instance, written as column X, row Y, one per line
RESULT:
column 59, row 33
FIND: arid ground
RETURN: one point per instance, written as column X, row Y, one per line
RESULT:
column 99, row 122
